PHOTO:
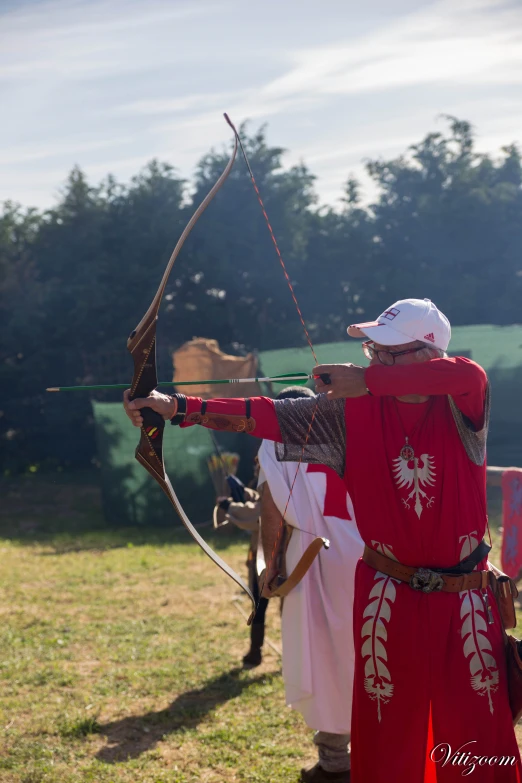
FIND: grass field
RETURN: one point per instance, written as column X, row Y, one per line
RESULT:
column 120, row 654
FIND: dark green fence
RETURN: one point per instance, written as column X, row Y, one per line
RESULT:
column 131, row 496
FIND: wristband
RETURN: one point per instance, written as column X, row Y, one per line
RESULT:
column 182, row 409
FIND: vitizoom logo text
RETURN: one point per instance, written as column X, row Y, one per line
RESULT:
column 444, row 755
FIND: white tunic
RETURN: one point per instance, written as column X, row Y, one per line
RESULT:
column 317, row 632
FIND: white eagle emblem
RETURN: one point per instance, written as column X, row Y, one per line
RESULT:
column 418, row 477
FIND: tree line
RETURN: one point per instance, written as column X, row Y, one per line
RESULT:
column 76, row 279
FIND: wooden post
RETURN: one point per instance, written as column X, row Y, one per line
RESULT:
column 494, row 476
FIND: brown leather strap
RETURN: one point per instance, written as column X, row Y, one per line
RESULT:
column 216, row 421
column 306, row 560
column 422, row 578
column 505, row 593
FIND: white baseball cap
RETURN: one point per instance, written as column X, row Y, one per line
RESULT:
column 406, row 321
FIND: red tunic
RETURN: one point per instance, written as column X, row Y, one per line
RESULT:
column 429, row 668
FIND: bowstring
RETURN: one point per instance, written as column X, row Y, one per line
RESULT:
column 303, row 324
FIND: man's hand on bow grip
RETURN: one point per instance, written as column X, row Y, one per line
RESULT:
column 347, row 380
column 163, row 404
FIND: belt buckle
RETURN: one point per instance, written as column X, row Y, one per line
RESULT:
column 427, row 581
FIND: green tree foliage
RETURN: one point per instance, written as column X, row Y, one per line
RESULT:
column 230, row 279
column 340, row 272
column 75, row 280
column 448, row 226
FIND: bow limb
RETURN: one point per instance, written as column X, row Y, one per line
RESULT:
column 164, row 482
column 276, row 586
column 276, row 582
column 142, row 332
column 142, row 347
column 305, row 562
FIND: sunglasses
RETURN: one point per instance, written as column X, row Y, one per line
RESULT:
column 386, row 357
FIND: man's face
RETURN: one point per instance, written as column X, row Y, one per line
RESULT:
column 410, row 357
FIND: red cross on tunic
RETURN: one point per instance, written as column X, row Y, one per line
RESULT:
column 336, row 496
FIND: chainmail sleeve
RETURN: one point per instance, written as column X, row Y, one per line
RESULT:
column 474, row 441
column 325, row 439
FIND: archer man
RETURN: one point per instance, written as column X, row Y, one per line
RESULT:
column 408, row 436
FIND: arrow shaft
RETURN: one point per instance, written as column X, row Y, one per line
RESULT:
column 298, row 377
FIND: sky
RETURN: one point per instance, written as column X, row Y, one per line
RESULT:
column 110, row 84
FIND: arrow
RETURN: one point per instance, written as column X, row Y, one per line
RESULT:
column 298, row 378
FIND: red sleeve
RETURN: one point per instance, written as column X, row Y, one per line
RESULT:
column 464, row 380
column 261, row 410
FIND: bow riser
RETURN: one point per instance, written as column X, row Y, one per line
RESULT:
column 142, row 347
column 150, row 448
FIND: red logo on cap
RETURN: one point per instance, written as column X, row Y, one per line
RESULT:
column 429, row 337
column 391, row 314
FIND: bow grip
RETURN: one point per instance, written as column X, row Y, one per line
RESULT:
column 153, row 426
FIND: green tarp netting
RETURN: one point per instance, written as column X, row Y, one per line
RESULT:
column 131, row 496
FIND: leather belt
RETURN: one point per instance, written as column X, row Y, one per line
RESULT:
column 424, row 579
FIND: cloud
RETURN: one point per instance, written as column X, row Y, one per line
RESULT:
column 109, row 84
column 81, row 39
column 25, row 153
column 183, row 104
column 456, row 42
